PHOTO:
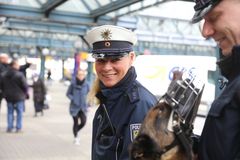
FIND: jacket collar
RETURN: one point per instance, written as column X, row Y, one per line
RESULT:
column 230, row 66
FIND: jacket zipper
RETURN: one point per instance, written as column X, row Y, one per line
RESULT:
column 118, row 141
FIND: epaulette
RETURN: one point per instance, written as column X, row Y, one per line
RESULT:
column 134, row 94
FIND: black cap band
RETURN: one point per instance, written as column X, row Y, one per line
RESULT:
column 109, row 55
column 200, row 4
column 104, row 47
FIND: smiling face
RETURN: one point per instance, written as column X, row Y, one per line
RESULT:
column 111, row 71
column 223, row 25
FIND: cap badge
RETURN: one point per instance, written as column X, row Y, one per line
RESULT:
column 106, row 34
column 107, row 44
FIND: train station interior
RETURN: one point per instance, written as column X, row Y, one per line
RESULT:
column 49, row 34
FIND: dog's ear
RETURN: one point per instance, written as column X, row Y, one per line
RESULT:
column 143, row 148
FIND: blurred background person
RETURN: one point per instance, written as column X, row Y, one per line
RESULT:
column 14, row 87
column 39, row 94
column 23, row 68
column 4, row 66
column 77, row 93
column 4, row 62
column 49, row 74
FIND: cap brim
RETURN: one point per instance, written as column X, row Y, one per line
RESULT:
column 198, row 16
column 109, row 55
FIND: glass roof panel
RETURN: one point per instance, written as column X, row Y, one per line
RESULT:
column 73, row 6
column 173, row 9
column 94, row 4
column 42, row 1
column 105, row 2
column 26, row 3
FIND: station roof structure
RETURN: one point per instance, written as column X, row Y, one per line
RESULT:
column 74, row 14
column 60, row 23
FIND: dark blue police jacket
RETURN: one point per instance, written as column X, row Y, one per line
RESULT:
column 119, row 117
column 220, row 139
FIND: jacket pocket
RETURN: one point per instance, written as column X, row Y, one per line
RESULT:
column 105, row 147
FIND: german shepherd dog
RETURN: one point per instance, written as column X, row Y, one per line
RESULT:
column 165, row 133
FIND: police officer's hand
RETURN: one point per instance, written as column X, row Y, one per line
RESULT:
column 195, row 140
column 27, row 96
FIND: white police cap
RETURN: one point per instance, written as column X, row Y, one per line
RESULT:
column 202, row 7
column 110, row 41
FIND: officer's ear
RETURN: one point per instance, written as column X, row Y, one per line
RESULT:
column 132, row 56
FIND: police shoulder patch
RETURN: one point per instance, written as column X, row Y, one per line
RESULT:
column 134, row 130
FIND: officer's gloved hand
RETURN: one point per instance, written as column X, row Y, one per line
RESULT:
column 195, row 140
column 27, row 96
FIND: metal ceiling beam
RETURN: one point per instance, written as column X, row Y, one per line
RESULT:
column 44, row 27
column 22, row 12
column 66, row 48
column 86, row 5
column 142, row 8
column 15, row 49
column 156, row 3
column 51, row 5
column 36, row 14
column 39, row 2
column 175, row 49
column 23, row 45
column 70, row 18
column 174, row 39
column 98, row 3
column 31, row 41
column 113, row 6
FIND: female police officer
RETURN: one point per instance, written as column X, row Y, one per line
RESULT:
column 124, row 102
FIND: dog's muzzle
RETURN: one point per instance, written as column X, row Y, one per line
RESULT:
column 184, row 97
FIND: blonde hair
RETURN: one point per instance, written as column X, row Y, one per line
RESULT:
column 91, row 97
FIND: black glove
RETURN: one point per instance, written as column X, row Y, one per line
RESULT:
column 27, row 96
column 195, row 139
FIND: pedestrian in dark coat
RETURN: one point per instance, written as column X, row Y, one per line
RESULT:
column 124, row 102
column 23, row 68
column 49, row 74
column 77, row 93
column 39, row 94
column 220, row 138
column 4, row 66
column 14, row 87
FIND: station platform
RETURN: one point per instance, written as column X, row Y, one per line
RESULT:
column 47, row 137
